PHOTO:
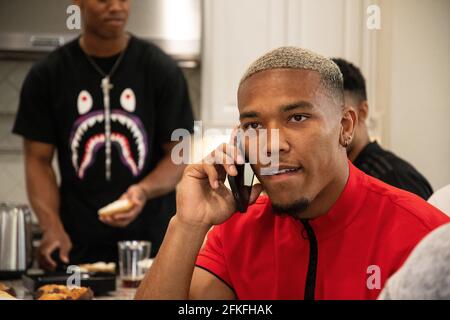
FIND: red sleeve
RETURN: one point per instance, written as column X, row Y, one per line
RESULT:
column 211, row 257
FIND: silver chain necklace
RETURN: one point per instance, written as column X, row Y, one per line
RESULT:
column 106, row 86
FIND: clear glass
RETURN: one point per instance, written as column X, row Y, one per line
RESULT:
column 131, row 256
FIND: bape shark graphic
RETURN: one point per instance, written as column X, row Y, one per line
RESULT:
column 127, row 134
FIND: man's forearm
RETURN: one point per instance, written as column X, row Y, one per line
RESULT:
column 42, row 189
column 163, row 178
column 171, row 273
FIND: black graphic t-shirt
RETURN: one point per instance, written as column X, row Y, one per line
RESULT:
column 62, row 104
column 389, row 168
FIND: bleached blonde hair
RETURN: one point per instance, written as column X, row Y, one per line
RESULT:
column 298, row 58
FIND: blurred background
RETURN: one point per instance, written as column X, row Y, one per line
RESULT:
column 405, row 62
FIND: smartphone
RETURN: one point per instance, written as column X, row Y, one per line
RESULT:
column 241, row 184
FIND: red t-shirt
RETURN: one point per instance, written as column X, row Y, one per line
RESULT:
column 349, row 253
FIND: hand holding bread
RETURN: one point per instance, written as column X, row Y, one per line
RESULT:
column 118, row 206
column 122, row 212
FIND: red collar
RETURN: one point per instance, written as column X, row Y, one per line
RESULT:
column 345, row 209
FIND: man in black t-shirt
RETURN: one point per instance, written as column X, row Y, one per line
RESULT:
column 369, row 156
column 107, row 102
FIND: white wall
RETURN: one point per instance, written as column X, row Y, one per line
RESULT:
column 416, row 36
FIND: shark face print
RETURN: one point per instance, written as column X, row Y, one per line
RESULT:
column 128, row 100
column 84, row 102
column 128, row 135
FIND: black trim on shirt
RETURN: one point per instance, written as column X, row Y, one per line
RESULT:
column 226, row 283
column 310, row 285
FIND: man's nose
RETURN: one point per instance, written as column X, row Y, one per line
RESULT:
column 276, row 141
column 116, row 5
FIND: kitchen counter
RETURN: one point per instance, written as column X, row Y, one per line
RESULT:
column 120, row 293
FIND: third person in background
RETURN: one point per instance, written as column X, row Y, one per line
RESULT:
column 369, row 156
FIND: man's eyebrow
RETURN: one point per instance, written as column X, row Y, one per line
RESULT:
column 297, row 105
column 250, row 114
column 284, row 108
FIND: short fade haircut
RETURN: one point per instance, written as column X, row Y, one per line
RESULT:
column 298, row 58
column 354, row 82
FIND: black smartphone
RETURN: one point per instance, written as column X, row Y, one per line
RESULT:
column 241, row 184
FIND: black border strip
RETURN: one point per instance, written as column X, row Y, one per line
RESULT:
column 226, row 283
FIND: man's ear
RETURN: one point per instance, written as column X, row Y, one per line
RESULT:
column 363, row 111
column 349, row 122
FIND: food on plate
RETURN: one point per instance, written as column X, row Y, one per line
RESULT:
column 98, row 267
column 6, row 296
column 55, row 296
column 7, row 289
column 118, row 206
column 60, row 292
column 52, row 289
column 81, row 293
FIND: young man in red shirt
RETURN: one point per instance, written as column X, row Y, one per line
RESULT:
column 325, row 230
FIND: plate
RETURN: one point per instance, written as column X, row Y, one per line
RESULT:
column 99, row 282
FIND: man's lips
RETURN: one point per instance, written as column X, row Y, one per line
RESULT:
column 280, row 173
column 115, row 21
column 284, row 176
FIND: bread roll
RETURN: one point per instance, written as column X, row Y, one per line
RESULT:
column 118, row 206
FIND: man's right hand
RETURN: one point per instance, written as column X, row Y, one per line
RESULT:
column 52, row 240
column 202, row 201
column 202, row 197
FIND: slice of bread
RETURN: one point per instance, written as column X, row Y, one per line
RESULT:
column 118, row 206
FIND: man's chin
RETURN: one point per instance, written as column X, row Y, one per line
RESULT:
column 291, row 208
column 111, row 33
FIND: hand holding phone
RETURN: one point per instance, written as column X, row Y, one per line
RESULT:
column 240, row 189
